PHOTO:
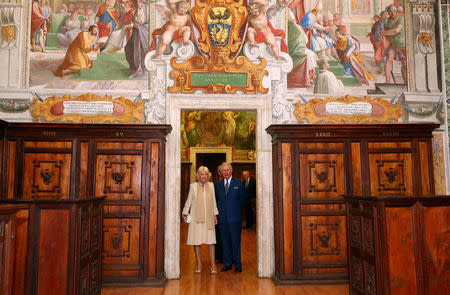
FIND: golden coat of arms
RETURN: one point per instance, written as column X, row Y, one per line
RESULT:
column 218, row 69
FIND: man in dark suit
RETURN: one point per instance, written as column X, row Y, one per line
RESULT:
column 250, row 189
column 230, row 195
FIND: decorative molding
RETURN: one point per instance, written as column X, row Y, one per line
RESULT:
column 391, row 175
column 348, row 109
column 155, row 108
column 14, row 106
column 216, row 69
column 423, row 107
column 424, row 59
column 438, row 145
column 193, row 151
column 119, row 238
column 322, row 176
column 281, row 108
column 118, row 110
column 324, row 239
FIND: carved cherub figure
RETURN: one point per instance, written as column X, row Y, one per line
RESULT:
column 177, row 25
column 259, row 23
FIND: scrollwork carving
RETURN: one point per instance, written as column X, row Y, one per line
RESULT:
column 155, row 108
column 281, row 107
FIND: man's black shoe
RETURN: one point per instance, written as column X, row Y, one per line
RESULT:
column 225, row 268
column 238, row 269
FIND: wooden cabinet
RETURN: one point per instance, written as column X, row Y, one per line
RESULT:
column 58, row 246
column 398, row 244
column 7, row 246
column 74, row 162
column 314, row 165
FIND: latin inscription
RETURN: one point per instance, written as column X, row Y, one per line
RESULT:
column 88, row 107
column 119, row 133
column 348, row 109
column 49, row 133
column 391, row 134
column 323, row 134
column 204, row 79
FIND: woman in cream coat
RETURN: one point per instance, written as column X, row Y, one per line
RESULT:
column 201, row 205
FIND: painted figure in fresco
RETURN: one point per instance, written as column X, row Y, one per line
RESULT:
column 261, row 30
column 378, row 41
column 119, row 37
column 229, row 127
column 337, row 23
column 303, row 59
column 40, row 22
column 176, row 28
column 137, row 46
column 107, row 20
column 69, row 30
column 76, row 57
column 64, row 9
column 326, row 82
column 298, row 8
column 310, row 23
column 394, row 31
column 190, row 127
column 126, row 19
column 351, row 59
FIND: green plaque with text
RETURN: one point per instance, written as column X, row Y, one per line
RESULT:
column 205, row 79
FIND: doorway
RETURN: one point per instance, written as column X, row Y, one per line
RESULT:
column 177, row 157
column 209, row 138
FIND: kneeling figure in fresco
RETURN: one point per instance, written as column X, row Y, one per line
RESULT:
column 77, row 57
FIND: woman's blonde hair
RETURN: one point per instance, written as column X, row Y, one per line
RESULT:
column 203, row 169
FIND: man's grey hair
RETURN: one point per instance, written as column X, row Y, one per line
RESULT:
column 227, row 164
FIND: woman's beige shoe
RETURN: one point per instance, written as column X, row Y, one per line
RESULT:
column 198, row 269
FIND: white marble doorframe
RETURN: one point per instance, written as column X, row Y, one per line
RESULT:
column 264, row 202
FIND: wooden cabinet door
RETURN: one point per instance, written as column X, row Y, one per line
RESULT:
column 119, row 177
column 322, row 229
column 391, row 168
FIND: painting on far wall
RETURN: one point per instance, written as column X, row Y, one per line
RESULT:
column 66, row 53
column 234, row 129
column 350, row 51
column 333, row 53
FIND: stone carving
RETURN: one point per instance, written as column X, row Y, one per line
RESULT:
column 281, row 107
column 155, row 108
column 423, row 20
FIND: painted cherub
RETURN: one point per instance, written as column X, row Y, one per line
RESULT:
column 260, row 24
column 177, row 25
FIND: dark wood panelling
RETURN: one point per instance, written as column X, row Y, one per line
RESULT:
column 398, row 244
column 75, row 162
column 56, row 241
column 314, row 165
column 8, row 225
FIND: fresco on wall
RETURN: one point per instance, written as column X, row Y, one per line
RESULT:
column 346, row 54
column 68, row 52
column 219, row 129
column 330, row 56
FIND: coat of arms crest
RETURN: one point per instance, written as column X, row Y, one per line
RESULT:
column 218, row 69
